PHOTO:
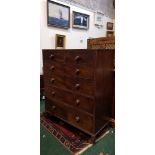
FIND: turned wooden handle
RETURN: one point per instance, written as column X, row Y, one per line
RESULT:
column 52, row 80
column 53, row 93
column 77, row 71
column 77, row 86
column 77, row 58
column 77, row 101
column 77, row 118
column 53, row 107
column 52, row 56
column 52, row 68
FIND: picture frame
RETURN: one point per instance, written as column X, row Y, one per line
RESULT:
column 58, row 15
column 110, row 34
column 98, row 19
column 60, row 41
column 110, row 26
column 80, row 20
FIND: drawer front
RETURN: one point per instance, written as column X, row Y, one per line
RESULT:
column 55, row 80
column 75, row 100
column 53, row 68
column 86, row 87
column 81, row 71
column 78, row 57
column 84, row 103
column 53, row 56
column 60, row 95
column 74, row 117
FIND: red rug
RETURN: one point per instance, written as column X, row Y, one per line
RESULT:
column 73, row 139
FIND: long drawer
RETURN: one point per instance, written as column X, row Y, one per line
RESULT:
column 83, row 86
column 73, row 99
column 72, row 116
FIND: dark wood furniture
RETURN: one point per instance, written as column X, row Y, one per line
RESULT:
column 101, row 43
column 104, row 43
column 41, row 86
column 79, row 87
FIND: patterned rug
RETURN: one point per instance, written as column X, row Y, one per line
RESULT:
column 73, row 139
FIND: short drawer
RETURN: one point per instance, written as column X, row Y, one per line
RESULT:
column 58, row 94
column 72, row 116
column 51, row 56
column 84, row 103
column 53, row 68
column 79, row 57
column 81, row 71
column 55, row 80
column 86, row 87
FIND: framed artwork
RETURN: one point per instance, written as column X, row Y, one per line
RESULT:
column 80, row 20
column 58, row 15
column 110, row 26
column 99, row 18
column 110, row 34
column 60, row 41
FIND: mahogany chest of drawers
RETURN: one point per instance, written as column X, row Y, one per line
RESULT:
column 79, row 87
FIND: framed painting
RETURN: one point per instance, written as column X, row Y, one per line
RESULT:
column 80, row 20
column 58, row 15
column 110, row 34
column 60, row 41
column 110, row 26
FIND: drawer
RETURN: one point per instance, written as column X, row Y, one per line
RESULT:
column 78, row 57
column 72, row 116
column 75, row 100
column 60, row 95
column 84, row 103
column 81, row 71
column 53, row 68
column 55, row 80
column 51, row 56
column 86, row 87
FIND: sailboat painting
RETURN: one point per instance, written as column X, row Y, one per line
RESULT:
column 58, row 15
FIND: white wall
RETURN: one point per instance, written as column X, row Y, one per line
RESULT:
column 75, row 38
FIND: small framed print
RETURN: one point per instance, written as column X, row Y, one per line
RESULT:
column 60, row 41
column 110, row 26
column 99, row 18
column 110, row 34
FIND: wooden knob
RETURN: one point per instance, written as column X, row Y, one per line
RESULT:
column 53, row 107
column 52, row 80
column 77, row 101
column 77, row 86
column 77, row 71
column 77, row 118
column 52, row 68
column 53, row 93
column 77, row 58
column 52, row 56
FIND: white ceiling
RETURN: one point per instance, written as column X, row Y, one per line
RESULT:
column 105, row 6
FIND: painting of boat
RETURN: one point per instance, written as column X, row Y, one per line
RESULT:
column 58, row 15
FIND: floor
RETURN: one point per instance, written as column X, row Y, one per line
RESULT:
column 50, row 146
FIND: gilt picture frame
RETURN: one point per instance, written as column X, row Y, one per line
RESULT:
column 58, row 15
column 60, row 41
